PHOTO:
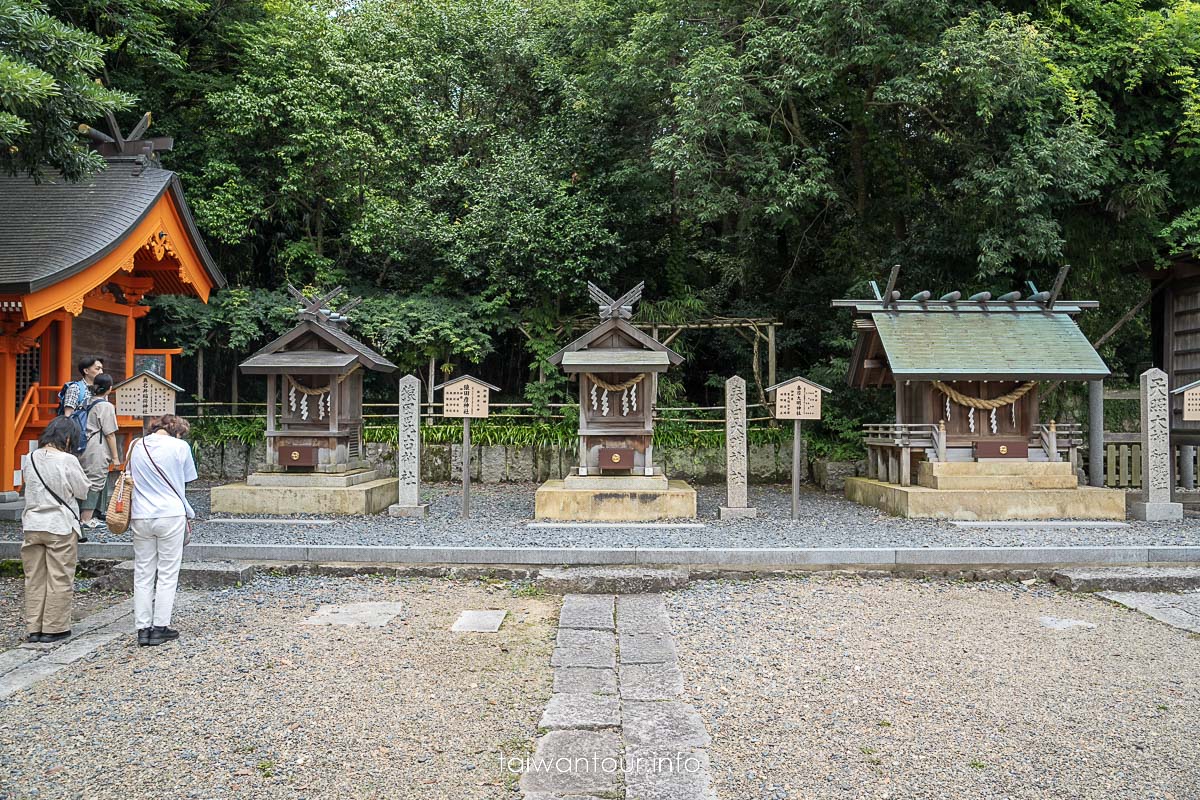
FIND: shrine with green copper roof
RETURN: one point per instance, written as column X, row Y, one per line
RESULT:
column 966, row 374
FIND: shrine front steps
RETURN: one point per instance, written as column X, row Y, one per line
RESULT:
column 345, row 494
column 1001, row 475
column 615, row 501
column 921, row 502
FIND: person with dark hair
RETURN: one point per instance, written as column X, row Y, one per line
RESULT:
column 161, row 465
column 54, row 483
column 101, row 451
column 76, row 393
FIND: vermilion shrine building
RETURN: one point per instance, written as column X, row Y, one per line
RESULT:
column 76, row 262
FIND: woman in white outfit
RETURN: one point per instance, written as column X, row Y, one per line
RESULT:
column 161, row 465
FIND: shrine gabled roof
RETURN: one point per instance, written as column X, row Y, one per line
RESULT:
column 52, row 230
column 987, row 346
column 611, row 326
column 317, row 362
column 336, row 338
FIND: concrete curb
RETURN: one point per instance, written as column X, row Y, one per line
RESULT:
column 880, row 558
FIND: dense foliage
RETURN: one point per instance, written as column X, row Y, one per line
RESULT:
column 468, row 166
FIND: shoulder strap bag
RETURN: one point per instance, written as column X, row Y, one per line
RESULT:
column 121, row 501
column 187, row 536
column 54, row 494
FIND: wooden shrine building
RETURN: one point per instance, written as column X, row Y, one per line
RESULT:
column 966, row 375
column 616, row 478
column 318, row 367
column 77, row 261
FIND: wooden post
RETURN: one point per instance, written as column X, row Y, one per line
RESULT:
column 906, row 466
column 1096, row 433
column 233, row 383
column 271, row 460
column 66, row 365
column 1053, row 441
column 432, row 380
column 466, row 468
column 941, row 440
column 200, row 381
column 893, row 457
column 770, row 355
column 795, row 463
column 8, row 415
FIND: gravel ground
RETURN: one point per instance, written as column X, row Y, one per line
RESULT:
column 250, row 704
column 501, row 512
column 827, row 688
column 12, row 606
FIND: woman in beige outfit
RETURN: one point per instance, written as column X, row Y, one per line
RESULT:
column 54, row 483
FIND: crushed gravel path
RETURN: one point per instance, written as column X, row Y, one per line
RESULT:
column 249, row 703
column 501, row 513
column 838, row 688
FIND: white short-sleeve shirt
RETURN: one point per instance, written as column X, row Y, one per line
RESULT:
column 154, row 498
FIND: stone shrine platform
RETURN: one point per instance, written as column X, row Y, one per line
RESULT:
column 358, row 492
column 990, row 490
column 630, row 498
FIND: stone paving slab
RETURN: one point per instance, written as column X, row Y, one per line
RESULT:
column 642, row 613
column 585, row 649
column 591, row 760
column 11, row 659
column 104, row 617
column 27, row 675
column 1129, row 579
column 373, row 615
column 647, row 648
column 611, row 580
column 580, row 712
column 1177, row 610
column 651, row 681
column 479, row 621
column 587, row 611
column 585, row 680
column 655, row 773
column 80, row 646
column 671, row 723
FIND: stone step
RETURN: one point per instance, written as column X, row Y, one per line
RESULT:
column 998, row 468
column 1000, row 482
column 610, row 580
column 1129, row 579
column 192, row 575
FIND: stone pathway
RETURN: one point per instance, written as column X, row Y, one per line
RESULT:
column 616, row 725
column 25, row 665
column 1180, row 610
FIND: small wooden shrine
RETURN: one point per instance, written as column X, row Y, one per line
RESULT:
column 318, row 367
column 617, row 367
column 966, row 374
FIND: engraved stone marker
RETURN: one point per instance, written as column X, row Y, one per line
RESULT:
column 1156, row 451
column 735, row 452
column 408, row 451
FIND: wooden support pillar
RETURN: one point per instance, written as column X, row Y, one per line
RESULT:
column 8, row 415
column 893, row 466
column 1096, row 433
column 770, row 355
column 271, row 459
column 905, row 466
column 870, row 462
column 66, row 364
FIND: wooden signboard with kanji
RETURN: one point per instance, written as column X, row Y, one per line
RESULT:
column 145, row 395
column 1191, row 405
column 798, row 399
column 466, row 397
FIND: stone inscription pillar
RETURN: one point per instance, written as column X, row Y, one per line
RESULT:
column 736, row 472
column 408, row 451
column 1156, row 451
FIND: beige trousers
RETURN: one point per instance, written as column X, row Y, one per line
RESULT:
column 49, row 560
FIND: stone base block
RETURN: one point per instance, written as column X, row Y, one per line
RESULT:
column 920, row 502
column 747, row 512
column 611, row 580
column 11, row 509
column 998, row 474
column 372, row 497
column 554, row 500
column 626, row 483
column 192, row 575
column 306, row 480
column 1156, row 512
column 419, row 511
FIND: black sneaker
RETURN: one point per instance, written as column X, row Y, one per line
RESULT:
column 161, row 633
column 34, row 638
column 54, row 637
column 143, row 636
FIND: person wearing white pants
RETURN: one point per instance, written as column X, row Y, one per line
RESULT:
column 161, row 465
